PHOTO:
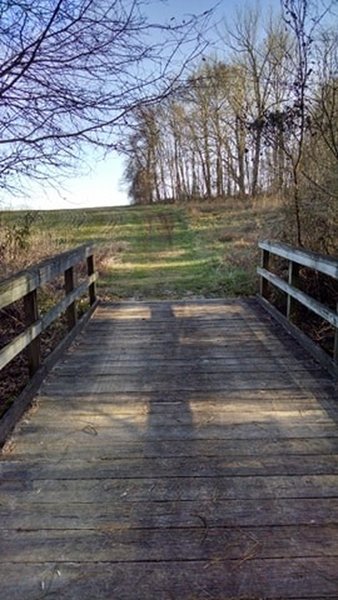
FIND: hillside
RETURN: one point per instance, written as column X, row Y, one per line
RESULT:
column 160, row 251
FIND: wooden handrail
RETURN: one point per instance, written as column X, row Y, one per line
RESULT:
column 297, row 257
column 319, row 262
column 25, row 285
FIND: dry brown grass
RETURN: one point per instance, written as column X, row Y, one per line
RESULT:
column 39, row 245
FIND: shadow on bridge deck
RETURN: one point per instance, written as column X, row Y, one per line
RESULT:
column 180, row 450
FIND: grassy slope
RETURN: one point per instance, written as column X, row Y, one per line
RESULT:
column 167, row 251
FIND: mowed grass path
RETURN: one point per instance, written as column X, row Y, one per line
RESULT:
column 165, row 251
column 168, row 253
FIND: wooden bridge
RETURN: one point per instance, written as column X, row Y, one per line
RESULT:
column 177, row 450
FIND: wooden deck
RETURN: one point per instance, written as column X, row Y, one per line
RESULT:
column 180, row 451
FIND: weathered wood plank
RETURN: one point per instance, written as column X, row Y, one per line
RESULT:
column 218, row 361
column 247, row 577
column 87, row 443
column 132, row 432
column 184, row 382
column 169, row 489
column 198, row 514
column 207, row 543
column 154, row 351
column 282, row 398
column 124, row 405
column 184, row 338
column 107, row 366
column 120, row 468
column 11, row 350
column 184, row 417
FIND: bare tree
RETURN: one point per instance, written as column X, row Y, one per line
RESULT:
column 302, row 20
column 70, row 70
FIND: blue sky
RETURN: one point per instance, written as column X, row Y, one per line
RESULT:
column 98, row 182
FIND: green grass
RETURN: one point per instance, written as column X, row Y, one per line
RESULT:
column 163, row 251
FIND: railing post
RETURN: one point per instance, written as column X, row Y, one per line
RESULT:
column 335, row 350
column 69, row 286
column 30, row 303
column 263, row 285
column 292, row 280
column 91, row 287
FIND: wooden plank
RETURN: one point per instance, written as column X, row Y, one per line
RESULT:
column 227, row 398
column 320, row 395
column 194, row 343
column 154, row 353
column 124, row 515
column 188, row 383
column 187, row 325
column 185, row 416
column 17, row 287
column 320, row 262
column 273, row 579
column 125, row 405
column 169, row 489
column 154, row 350
column 208, row 544
column 137, row 365
column 11, row 350
column 163, row 467
column 87, row 443
column 130, row 432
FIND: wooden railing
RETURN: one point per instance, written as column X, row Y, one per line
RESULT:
column 296, row 258
column 25, row 286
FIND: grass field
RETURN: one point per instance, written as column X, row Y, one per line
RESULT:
column 161, row 251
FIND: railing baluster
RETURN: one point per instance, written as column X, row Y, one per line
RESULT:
column 265, row 260
column 335, row 351
column 293, row 280
column 30, row 302
column 91, row 287
column 69, row 286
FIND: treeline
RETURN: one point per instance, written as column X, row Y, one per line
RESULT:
column 263, row 120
